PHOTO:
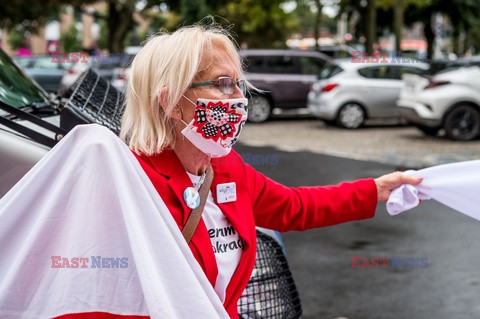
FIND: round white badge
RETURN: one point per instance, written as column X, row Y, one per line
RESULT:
column 191, row 197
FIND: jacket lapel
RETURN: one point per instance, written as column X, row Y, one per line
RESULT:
column 240, row 214
column 169, row 166
column 237, row 212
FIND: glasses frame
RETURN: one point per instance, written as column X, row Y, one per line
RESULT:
column 239, row 83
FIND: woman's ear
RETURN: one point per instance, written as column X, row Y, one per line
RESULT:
column 176, row 113
column 163, row 99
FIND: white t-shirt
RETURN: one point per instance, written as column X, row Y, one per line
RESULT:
column 226, row 243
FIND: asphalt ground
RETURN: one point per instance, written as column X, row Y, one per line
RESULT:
column 380, row 141
column 439, row 277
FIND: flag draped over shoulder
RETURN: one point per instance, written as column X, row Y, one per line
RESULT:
column 86, row 232
column 455, row 185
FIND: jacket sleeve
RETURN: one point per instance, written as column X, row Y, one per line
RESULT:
column 283, row 208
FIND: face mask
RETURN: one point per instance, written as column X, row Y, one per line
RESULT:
column 216, row 125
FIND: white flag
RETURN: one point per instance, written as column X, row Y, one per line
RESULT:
column 86, row 231
column 456, row 185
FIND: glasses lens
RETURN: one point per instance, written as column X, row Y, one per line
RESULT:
column 242, row 86
column 226, row 85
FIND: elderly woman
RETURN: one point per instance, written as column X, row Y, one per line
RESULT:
column 185, row 109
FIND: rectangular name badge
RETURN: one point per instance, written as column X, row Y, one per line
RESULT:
column 226, row 193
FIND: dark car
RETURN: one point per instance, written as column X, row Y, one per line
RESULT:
column 19, row 94
column 337, row 51
column 446, row 65
column 283, row 77
column 44, row 70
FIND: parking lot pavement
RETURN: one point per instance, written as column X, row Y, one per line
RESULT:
column 429, row 252
column 388, row 143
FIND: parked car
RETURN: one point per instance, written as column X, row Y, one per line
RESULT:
column 283, row 76
column 348, row 93
column 107, row 66
column 448, row 100
column 18, row 152
column 43, row 70
column 337, row 51
column 122, row 73
column 445, row 65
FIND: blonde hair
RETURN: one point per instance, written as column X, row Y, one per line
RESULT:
column 166, row 61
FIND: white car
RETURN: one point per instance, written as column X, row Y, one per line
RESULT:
column 448, row 100
column 348, row 93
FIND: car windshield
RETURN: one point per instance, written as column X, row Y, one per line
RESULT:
column 16, row 88
column 329, row 70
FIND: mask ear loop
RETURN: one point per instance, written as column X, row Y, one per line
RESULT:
column 179, row 112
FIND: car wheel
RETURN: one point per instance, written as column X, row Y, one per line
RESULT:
column 427, row 130
column 351, row 115
column 462, row 123
column 259, row 109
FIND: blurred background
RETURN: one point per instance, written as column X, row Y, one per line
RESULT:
column 440, row 28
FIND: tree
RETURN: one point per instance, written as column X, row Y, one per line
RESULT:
column 398, row 23
column 370, row 34
column 30, row 15
column 70, row 41
column 318, row 19
column 363, row 20
column 258, row 23
column 461, row 14
column 16, row 39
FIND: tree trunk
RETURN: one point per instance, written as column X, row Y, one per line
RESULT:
column 371, row 26
column 120, row 22
column 429, row 35
column 398, row 24
column 318, row 20
column 456, row 40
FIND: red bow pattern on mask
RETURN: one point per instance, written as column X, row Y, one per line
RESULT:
column 216, row 120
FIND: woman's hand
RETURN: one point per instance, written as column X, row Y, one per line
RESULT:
column 387, row 183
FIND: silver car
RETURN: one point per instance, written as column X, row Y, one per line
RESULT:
column 348, row 93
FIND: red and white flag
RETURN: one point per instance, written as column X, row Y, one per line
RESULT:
column 85, row 235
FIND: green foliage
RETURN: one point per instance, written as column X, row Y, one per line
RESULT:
column 16, row 39
column 70, row 40
column 32, row 14
column 259, row 24
column 305, row 18
column 193, row 10
column 102, row 40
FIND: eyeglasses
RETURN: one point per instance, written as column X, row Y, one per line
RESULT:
column 224, row 84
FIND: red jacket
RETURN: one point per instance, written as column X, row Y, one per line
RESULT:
column 260, row 201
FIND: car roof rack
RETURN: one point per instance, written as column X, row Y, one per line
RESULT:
column 22, row 129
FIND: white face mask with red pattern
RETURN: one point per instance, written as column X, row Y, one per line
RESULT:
column 216, row 125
